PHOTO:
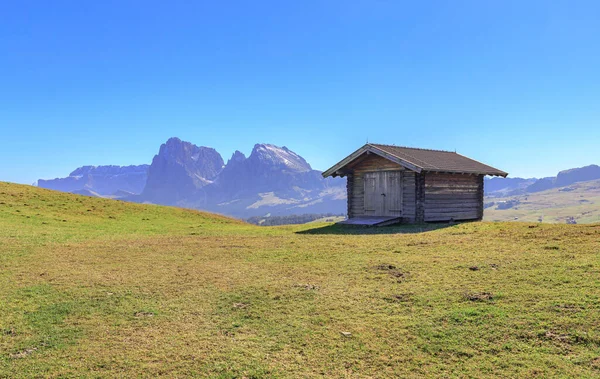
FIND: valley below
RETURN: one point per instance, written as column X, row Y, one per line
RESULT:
column 575, row 203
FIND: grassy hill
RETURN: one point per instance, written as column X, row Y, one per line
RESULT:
column 580, row 201
column 94, row 288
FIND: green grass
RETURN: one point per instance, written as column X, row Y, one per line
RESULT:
column 555, row 205
column 95, row 288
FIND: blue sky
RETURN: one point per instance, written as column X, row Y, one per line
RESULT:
column 515, row 84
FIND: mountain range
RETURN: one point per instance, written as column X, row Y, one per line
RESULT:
column 105, row 181
column 502, row 187
column 271, row 180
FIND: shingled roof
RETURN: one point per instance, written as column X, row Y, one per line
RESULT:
column 420, row 160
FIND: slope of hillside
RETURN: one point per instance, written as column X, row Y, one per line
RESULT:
column 580, row 201
column 102, row 288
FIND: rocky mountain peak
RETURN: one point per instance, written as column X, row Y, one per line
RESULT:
column 279, row 158
column 271, row 179
column 197, row 158
column 179, row 169
column 238, row 156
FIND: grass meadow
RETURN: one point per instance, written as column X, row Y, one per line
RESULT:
column 101, row 288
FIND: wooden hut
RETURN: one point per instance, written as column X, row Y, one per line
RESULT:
column 388, row 184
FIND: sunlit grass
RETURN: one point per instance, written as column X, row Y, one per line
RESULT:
column 94, row 287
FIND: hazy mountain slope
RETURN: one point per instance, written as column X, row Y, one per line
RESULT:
column 499, row 187
column 567, row 177
column 579, row 200
column 542, row 184
column 271, row 180
column 274, row 180
column 102, row 180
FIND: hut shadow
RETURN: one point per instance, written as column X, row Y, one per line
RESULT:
column 365, row 230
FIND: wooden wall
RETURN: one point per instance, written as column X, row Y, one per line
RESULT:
column 427, row 197
column 451, row 197
column 355, row 185
column 409, row 202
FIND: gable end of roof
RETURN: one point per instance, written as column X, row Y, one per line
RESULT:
column 417, row 159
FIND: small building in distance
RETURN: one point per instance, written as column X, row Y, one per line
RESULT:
column 388, row 184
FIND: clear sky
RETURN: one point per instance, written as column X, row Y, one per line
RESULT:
column 515, row 84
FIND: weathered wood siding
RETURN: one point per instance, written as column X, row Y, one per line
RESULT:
column 349, row 192
column 356, row 201
column 409, row 201
column 356, row 186
column 452, row 197
column 373, row 162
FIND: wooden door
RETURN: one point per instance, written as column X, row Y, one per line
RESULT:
column 373, row 203
column 393, row 193
column 383, row 193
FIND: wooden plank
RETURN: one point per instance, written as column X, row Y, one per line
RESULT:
column 451, row 179
column 473, row 187
column 454, row 215
column 447, row 218
column 420, row 197
column 371, row 221
column 451, row 191
column 480, row 198
column 374, row 162
column 448, row 176
column 345, row 161
column 462, row 203
column 451, row 196
column 450, row 210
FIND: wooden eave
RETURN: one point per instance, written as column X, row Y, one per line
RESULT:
column 337, row 169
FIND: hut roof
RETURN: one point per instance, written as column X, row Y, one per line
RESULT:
column 419, row 160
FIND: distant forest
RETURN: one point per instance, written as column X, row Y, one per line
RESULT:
column 291, row 219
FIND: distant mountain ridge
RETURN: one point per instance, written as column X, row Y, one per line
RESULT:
column 500, row 187
column 101, row 180
column 271, row 180
column 277, row 177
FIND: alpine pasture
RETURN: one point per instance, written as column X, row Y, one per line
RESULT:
column 94, row 288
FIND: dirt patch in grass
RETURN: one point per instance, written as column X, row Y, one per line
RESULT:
column 393, row 271
column 23, row 353
column 565, row 338
column 478, row 296
column 308, row 287
column 568, row 308
column 9, row 332
column 551, row 248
